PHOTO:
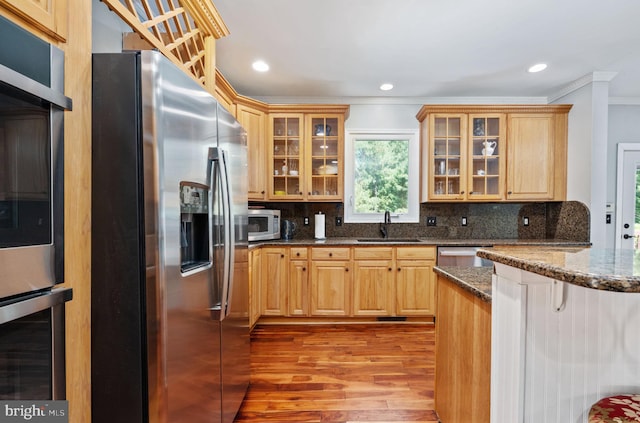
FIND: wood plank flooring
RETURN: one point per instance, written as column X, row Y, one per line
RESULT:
column 341, row 373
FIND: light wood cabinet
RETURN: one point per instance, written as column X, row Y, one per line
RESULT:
column 255, row 279
column 373, row 281
column 533, row 150
column 275, row 266
column 463, row 355
column 255, row 123
column 305, row 153
column 331, row 281
column 298, row 282
column 415, row 281
column 48, row 17
column 493, row 152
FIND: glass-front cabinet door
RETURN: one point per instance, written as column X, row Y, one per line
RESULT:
column 286, row 164
column 487, row 152
column 448, row 142
column 324, row 157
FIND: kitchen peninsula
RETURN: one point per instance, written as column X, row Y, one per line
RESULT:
column 564, row 330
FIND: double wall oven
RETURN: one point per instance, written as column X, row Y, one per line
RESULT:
column 32, row 108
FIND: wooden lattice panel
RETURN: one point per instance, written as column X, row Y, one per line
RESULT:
column 183, row 30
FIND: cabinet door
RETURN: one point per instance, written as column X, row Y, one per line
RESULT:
column 447, row 152
column 253, row 121
column 324, row 157
column 49, row 16
column 255, row 279
column 298, row 288
column 530, row 174
column 373, row 288
column 487, row 152
column 330, row 288
column 415, row 288
column 285, row 157
column 274, row 281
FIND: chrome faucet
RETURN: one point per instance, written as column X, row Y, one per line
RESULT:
column 383, row 226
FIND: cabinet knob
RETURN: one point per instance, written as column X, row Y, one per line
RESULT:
column 304, row 269
column 309, row 193
column 298, row 254
column 461, row 192
column 390, row 269
column 509, row 192
column 330, row 254
column 262, row 192
column 346, row 269
column 281, row 255
column 398, row 269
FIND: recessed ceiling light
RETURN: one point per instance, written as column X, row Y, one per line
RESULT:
column 386, row 87
column 537, row 67
column 260, row 66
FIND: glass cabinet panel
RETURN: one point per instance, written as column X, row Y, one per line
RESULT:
column 325, row 157
column 487, row 154
column 447, row 159
column 286, row 156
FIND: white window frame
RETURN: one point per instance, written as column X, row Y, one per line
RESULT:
column 352, row 135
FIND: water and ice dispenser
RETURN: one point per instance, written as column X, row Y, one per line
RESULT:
column 194, row 226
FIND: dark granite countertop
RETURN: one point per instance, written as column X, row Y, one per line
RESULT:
column 423, row 242
column 476, row 280
column 603, row 269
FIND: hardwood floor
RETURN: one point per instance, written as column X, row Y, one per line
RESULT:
column 341, row 373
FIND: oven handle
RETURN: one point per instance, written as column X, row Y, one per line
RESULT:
column 39, row 302
column 21, row 82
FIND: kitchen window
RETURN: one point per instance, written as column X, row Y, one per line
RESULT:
column 381, row 173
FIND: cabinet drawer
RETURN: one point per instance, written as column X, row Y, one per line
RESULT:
column 373, row 253
column 424, row 253
column 298, row 253
column 330, row 253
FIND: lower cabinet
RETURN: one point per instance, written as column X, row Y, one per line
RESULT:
column 274, row 272
column 373, row 282
column 298, row 282
column 463, row 355
column 415, row 281
column 255, row 279
column 344, row 281
column 331, row 281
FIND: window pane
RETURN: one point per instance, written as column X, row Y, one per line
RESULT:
column 381, row 176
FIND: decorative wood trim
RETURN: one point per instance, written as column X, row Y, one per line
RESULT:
column 493, row 108
column 310, row 108
column 182, row 30
column 207, row 17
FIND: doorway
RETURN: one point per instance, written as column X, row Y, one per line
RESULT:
column 628, row 196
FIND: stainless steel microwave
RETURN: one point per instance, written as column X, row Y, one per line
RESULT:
column 264, row 224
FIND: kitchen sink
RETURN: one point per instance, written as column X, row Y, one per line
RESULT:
column 388, row 240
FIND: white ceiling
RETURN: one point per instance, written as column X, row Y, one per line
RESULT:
column 428, row 48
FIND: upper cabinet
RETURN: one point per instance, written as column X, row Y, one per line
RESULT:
column 48, row 17
column 254, row 121
column 305, row 153
column 493, row 153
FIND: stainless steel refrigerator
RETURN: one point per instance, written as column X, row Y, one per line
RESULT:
column 169, row 297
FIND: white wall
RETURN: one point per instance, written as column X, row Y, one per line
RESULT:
column 624, row 127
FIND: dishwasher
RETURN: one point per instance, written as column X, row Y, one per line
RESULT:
column 462, row 257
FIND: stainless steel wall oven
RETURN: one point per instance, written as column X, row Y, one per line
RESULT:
column 32, row 108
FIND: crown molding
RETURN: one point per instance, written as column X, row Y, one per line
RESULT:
column 402, row 100
column 581, row 82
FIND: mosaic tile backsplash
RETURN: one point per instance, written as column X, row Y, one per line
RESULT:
column 567, row 220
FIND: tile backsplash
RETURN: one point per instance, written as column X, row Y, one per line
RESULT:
column 567, row 220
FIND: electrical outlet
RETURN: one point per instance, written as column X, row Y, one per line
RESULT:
column 464, row 221
column 431, row 221
column 525, row 221
column 306, row 221
column 338, row 220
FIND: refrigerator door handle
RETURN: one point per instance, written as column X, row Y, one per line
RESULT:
column 217, row 156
